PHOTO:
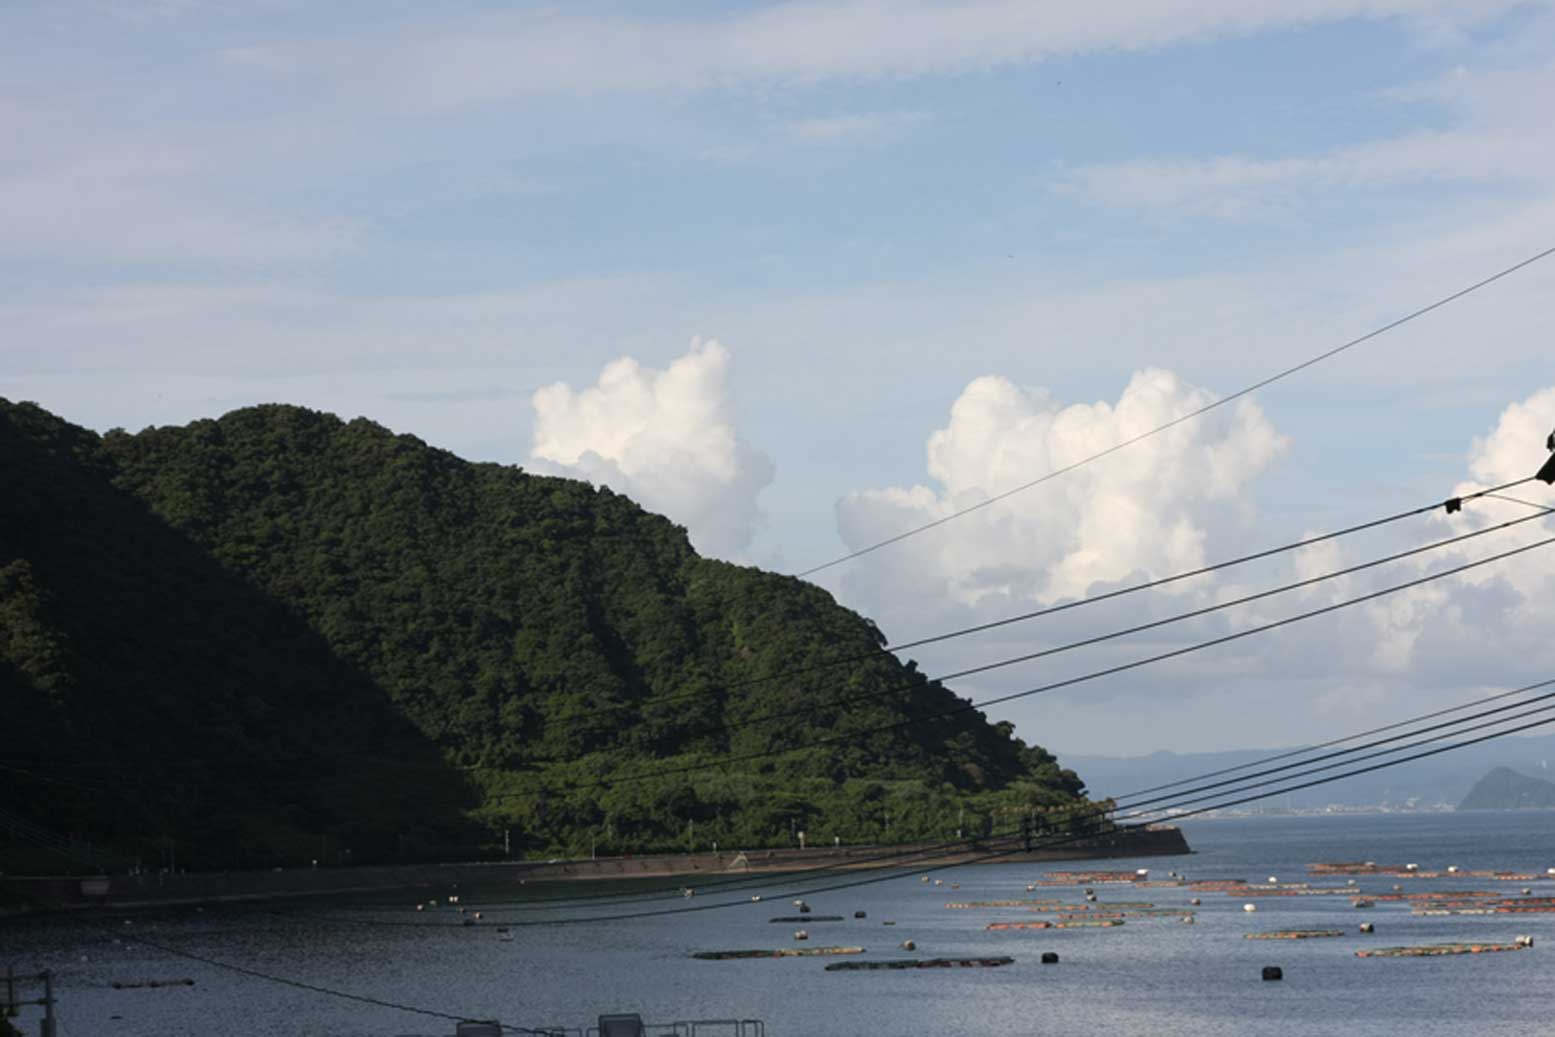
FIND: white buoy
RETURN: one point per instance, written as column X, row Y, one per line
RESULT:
column 801, row 935
column 1141, row 872
column 1273, row 880
column 923, row 878
column 1249, row 908
column 1195, row 901
column 421, row 907
column 1452, row 869
column 1411, row 867
column 1527, row 891
column 756, row 898
column 908, row 945
column 1030, row 888
column 939, row 882
column 1352, row 882
column 799, row 903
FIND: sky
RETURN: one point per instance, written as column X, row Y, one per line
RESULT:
column 803, row 275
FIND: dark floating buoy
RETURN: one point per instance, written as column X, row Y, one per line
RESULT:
column 1272, row 972
column 860, row 914
column 1050, row 957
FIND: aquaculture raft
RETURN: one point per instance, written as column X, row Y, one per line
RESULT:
column 791, row 919
column 1078, row 923
column 1293, row 934
column 1436, row 950
column 781, row 952
column 919, row 963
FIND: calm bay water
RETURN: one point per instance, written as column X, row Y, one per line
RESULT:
column 1150, row 976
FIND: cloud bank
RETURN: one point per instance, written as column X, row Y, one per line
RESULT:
column 1147, row 509
column 667, row 439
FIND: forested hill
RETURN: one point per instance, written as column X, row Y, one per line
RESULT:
column 279, row 597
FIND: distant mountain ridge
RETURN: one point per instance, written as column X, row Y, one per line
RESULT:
column 281, row 635
column 1443, row 779
column 1505, row 789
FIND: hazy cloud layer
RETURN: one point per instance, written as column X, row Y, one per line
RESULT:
column 665, row 438
column 440, row 65
column 1499, row 133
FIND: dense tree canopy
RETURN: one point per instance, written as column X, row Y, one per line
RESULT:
column 284, row 627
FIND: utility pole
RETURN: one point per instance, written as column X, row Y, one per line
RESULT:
column 48, row 1029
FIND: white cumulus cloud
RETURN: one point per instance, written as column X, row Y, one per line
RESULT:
column 667, row 439
column 1146, row 509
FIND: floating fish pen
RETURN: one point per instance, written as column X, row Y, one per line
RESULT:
column 1299, row 891
column 1294, row 934
column 1525, row 909
column 1437, row 950
column 782, row 952
column 806, row 919
column 1217, row 885
column 1093, row 878
column 1503, row 876
column 1439, row 895
column 1158, row 913
column 1440, row 912
column 1077, row 923
column 1412, row 871
column 919, row 963
column 1111, row 907
column 962, row 905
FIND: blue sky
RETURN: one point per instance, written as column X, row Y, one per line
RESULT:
column 428, row 215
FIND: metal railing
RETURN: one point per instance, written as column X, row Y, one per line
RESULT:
column 691, row 1028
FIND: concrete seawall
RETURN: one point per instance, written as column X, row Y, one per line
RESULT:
column 136, row 891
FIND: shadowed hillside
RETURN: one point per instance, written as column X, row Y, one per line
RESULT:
column 304, row 581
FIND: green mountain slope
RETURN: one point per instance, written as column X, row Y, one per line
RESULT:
column 544, row 637
column 150, row 694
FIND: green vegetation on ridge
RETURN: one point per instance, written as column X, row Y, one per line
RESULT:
column 411, row 642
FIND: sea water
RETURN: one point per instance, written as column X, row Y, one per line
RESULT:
column 1148, row 976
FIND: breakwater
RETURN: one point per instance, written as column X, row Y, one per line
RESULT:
column 152, row 890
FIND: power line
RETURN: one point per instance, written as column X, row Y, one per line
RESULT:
column 1337, row 741
column 1136, row 629
column 1450, row 724
column 1056, row 685
column 1189, row 813
column 298, row 984
column 1135, row 588
column 645, row 896
column 1191, row 415
column 1241, row 796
